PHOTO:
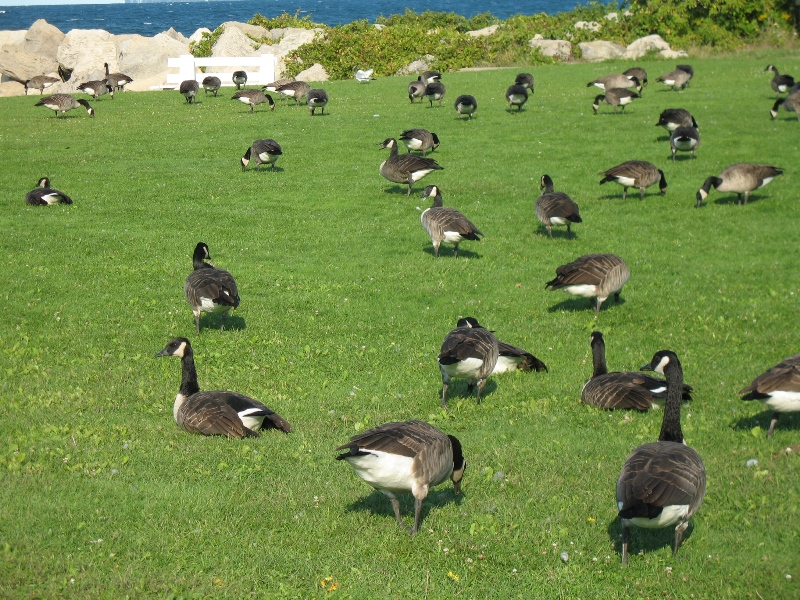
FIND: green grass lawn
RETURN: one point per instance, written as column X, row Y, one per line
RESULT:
column 343, row 311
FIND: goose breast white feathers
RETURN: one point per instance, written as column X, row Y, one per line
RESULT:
column 778, row 389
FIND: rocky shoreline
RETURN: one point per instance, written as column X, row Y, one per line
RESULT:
column 41, row 49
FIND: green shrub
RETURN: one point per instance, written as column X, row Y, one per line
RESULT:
column 285, row 20
column 206, row 43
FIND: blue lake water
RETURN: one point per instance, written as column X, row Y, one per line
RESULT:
column 186, row 17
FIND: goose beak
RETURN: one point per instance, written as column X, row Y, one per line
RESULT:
column 162, row 353
column 647, row 367
column 457, row 487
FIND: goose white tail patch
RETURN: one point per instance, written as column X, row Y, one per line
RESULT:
column 671, row 515
column 385, row 471
column 626, row 181
column 584, row 290
column 765, row 182
column 781, row 401
column 505, row 364
column 464, row 368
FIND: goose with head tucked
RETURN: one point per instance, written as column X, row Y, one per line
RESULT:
column 614, row 97
column 741, row 179
column 469, row 352
column 96, row 89
column 679, row 78
column 216, row 412
column 263, row 152
column 555, row 208
column 592, row 276
column 209, row 289
column 211, row 84
column 445, row 224
column 466, row 105
column 403, row 457
column 61, row 103
column 516, row 95
column 778, row 389
column 317, row 98
column 44, row 195
column 294, row 89
column 672, row 118
column 39, row 82
column 636, row 173
column 405, row 168
column 662, row 484
column 419, row 140
column 416, row 89
column 239, row 78
column 188, row 89
column 434, row 92
column 525, row 80
column 253, row 98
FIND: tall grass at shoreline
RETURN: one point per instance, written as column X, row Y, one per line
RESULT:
column 343, row 312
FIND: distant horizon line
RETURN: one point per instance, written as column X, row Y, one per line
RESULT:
column 62, row 2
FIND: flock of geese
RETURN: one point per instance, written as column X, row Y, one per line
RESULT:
column 661, row 484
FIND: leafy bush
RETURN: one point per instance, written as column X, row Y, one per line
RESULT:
column 285, row 20
column 206, row 43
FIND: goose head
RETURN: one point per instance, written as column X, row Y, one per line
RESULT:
column 179, row 347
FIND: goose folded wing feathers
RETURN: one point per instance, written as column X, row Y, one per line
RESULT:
column 206, row 413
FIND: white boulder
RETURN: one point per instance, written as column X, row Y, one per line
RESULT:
column 20, row 65
column 554, row 48
column 43, row 38
column 315, row 72
column 85, row 51
column 601, row 50
column 144, row 58
column 233, row 42
column 486, row 31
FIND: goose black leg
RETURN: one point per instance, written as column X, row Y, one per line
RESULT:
column 626, row 536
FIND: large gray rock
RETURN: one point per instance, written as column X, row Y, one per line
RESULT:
column 85, row 51
column 486, row 31
column 144, row 58
column 650, row 43
column 176, row 35
column 43, row 38
column 601, row 50
column 12, row 36
column 315, row 72
column 20, row 65
column 255, row 31
column 418, row 66
column 554, row 48
column 292, row 39
column 233, row 42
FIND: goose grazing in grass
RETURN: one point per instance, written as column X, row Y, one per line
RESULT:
column 555, row 208
column 117, row 81
column 509, row 358
column 525, row 80
column 188, row 89
column 639, row 73
column 446, row 224
column 364, row 75
column 409, row 456
column 516, row 95
column 679, row 78
column 672, row 118
column 420, row 140
column 684, row 139
column 273, row 86
column 416, row 89
column 468, row 352
column 317, row 98
column 614, row 97
column 623, row 390
column 295, row 89
column 264, row 152
column 96, row 89
column 405, row 168
column 662, row 484
column 741, row 179
column 592, row 276
column 209, row 289
column 636, row 173
column 61, row 103
column 239, row 78
column 434, row 92
column 790, row 103
column 40, row 82
column 616, row 80
column 216, row 412
column 777, row 389
column 466, row 105
column 780, row 83
column 44, row 195
column 211, row 84
column 253, row 98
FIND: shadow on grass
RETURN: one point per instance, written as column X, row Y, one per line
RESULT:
column 731, row 198
column 645, row 540
column 786, row 421
column 378, row 504
column 557, row 233
column 574, row 304
column 458, row 390
column 446, row 251
column 213, row 321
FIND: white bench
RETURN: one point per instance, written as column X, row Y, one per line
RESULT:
column 260, row 69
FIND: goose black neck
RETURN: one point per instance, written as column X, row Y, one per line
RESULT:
column 199, row 255
column 671, row 426
column 598, row 356
column 393, row 151
column 437, row 201
column 189, row 384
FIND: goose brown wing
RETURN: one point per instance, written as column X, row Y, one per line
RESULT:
column 660, row 474
column 784, row 376
column 557, row 204
column 405, row 438
column 589, row 269
column 211, row 413
column 408, row 163
column 467, row 342
column 528, row 363
column 615, row 391
column 449, row 219
column 216, row 284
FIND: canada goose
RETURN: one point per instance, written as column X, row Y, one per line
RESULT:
column 189, row 89
column 273, row 86
column 44, row 195
column 430, row 77
column 211, row 84
column 96, row 88
column 410, row 456
column 616, row 80
column 39, row 82
column 266, row 152
column 525, row 80
column 780, row 83
column 778, row 389
column 420, row 140
column 316, row 99
column 117, row 81
column 672, row 118
column 405, row 168
column 239, row 78
column 434, row 92
column 622, row 390
column 364, row 75
column 61, row 103
column 64, row 73
column 516, row 95
column 679, row 78
column 662, row 483
column 416, row 89
column 446, row 224
column 555, row 208
column 685, row 139
column 509, row 358
column 466, row 105
column 209, row 289
column 253, row 98
column 592, row 276
column 615, row 97
column 639, row 73
column 468, row 352
column 741, row 178
column 295, row 89
column 217, row 412
column 636, row 173
column 791, row 102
